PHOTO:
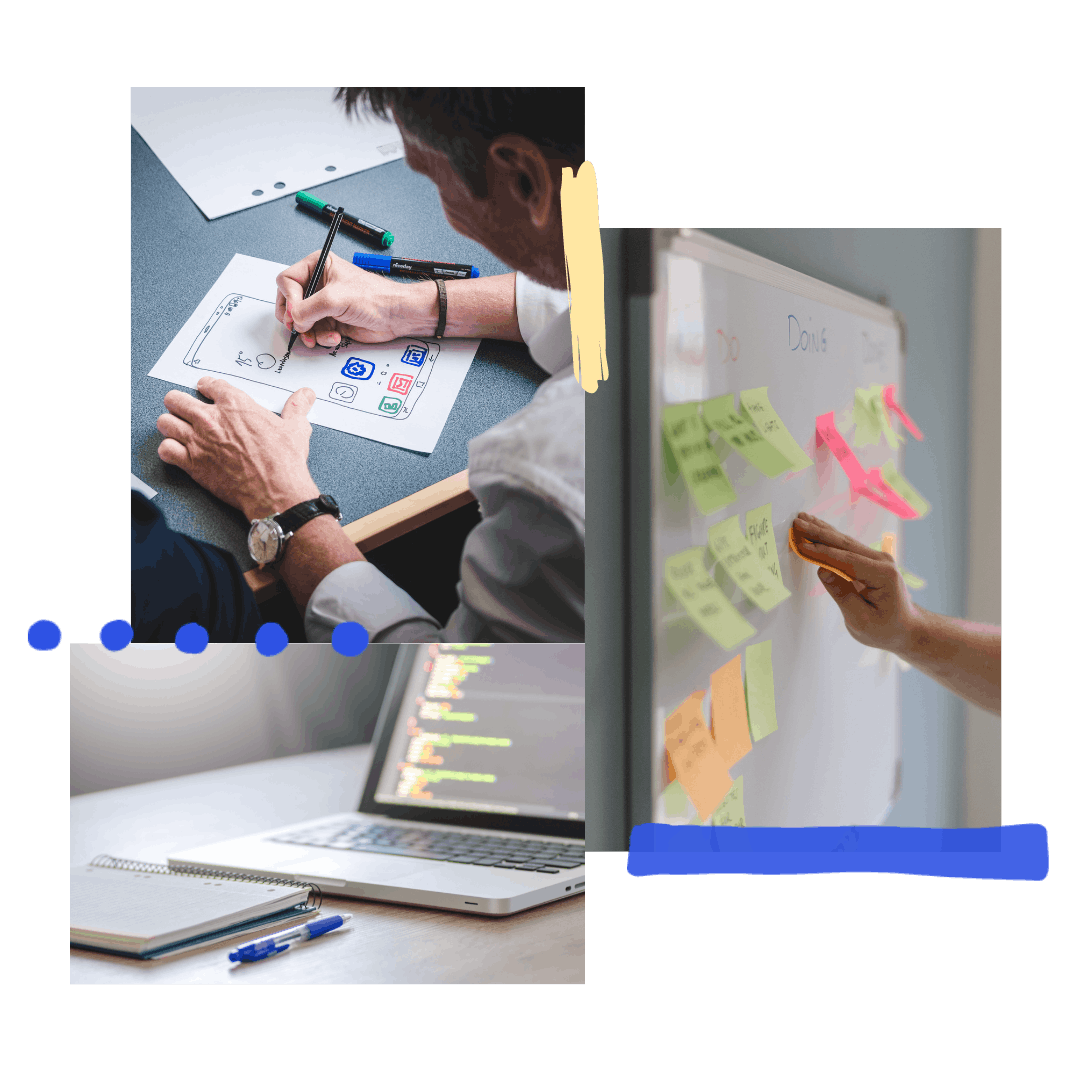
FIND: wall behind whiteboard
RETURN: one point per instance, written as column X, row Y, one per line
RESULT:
column 927, row 275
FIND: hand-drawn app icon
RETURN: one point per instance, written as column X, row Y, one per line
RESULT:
column 390, row 405
column 342, row 392
column 355, row 368
column 399, row 384
column 415, row 355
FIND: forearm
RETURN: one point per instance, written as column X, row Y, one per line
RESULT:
column 314, row 550
column 475, row 307
column 965, row 657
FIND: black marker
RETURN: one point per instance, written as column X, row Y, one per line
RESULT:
column 413, row 266
column 313, row 281
column 372, row 233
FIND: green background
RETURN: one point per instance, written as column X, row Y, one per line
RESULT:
column 696, row 116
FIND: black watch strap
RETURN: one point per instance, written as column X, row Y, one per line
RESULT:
column 290, row 520
column 441, row 328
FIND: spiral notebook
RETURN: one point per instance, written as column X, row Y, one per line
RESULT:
column 146, row 911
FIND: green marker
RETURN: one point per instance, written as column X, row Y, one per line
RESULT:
column 371, row 233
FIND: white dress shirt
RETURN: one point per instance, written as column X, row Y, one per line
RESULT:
column 523, row 566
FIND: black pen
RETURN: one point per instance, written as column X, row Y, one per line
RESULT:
column 313, row 282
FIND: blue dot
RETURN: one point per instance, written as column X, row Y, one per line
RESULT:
column 45, row 635
column 191, row 638
column 270, row 639
column 349, row 639
column 116, row 635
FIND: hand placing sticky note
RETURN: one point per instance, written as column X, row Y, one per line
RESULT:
column 703, row 600
column 754, row 405
column 700, row 467
column 888, row 545
column 739, row 433
column 730, row 812
column 759, row 535
column 698, row 766
column 734, row 553
column 760, row 697
column 730, row 727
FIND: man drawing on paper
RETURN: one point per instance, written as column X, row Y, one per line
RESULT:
column 496, row 157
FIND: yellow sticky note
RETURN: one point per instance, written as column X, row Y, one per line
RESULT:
column 759, row 535
column 892, row 476
column 734, row 553
column 867, row 424
column 731, row 811
column 703, row 600
column 738, row 432
column 697, row 762
column 754, row 404
column 730, row 728
column 760, row 697
column 698, row 463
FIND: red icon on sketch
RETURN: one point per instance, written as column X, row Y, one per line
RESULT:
column 399, row 384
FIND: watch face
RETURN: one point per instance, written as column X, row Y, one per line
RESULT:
column 264, row 540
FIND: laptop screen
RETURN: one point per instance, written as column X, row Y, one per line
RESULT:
column 497, row 729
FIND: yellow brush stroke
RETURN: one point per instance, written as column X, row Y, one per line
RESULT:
column 584, row 275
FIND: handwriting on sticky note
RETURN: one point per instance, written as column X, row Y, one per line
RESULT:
column 730, row 727
column 759, row 534
column 760, row 695
column 730, row 812
column 700, row 467
column 734, row 553
column 698, row 766
column 739, row 433
column 703, row 600
column 754, row 405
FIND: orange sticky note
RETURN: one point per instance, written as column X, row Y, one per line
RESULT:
column 730, row 725
column 698, row 765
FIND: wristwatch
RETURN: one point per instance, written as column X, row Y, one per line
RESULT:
column 267, row 536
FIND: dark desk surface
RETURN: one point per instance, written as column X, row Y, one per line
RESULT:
column 384, row 943
column 176, row 255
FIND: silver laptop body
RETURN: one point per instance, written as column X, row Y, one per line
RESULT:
column 476, row 782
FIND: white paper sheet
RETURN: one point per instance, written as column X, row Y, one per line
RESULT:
column 397, row 392
column 235, row 147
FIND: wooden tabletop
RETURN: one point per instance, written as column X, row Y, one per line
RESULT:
column 384, row 943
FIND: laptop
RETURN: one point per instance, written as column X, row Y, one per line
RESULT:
column 475, row 796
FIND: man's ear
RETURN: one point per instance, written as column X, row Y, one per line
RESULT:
column 521, row 171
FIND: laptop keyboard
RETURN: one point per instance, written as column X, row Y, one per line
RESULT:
column 536, row 856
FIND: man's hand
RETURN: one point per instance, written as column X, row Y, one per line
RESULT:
column 352, row 303
column 877, row 608
column 239, row 451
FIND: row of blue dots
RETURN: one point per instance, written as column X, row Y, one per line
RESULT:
column 348, row 638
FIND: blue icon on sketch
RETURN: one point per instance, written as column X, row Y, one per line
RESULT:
column 415, row 355
column 355, row 368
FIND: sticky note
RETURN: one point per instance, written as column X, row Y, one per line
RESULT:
column 705, row 603
column 675, row 801
column 867, row 424
column 759, row 534
column 882, row 414
column 734, row 553
column 754, row 404
column 902, row 486
column 730, row 727
column 698, row 766
column 760, row 697
column 730, row 811
column 888, row 396
column 739, row 433
column 701, row 469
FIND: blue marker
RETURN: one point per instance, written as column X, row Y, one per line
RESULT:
column 275, row 943
column 413, row 266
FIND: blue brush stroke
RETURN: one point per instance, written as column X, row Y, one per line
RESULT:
column 1013, row 851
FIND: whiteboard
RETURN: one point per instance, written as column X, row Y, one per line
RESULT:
column 724, row 320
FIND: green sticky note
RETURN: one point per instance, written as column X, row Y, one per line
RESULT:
column 754, row 404
column 759, row 534
column 699, row 594
column 760, row 700
column 913, row 581
column 891, row 475
column 867, row 424
column 730, row 811
column 882, row 415
column 734, row 553
column 676, row 801
column 701, row 469
column 739, row 433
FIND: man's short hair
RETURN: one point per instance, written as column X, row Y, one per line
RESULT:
column 461, row 123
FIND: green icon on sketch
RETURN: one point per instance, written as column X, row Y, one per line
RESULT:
column 390, row 405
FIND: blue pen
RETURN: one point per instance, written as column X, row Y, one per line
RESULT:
column 396, row 265
column 275, row 943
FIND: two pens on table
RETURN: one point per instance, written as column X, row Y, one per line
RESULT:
column 273, row 944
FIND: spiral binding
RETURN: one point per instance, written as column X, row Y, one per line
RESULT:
column 110, row 862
